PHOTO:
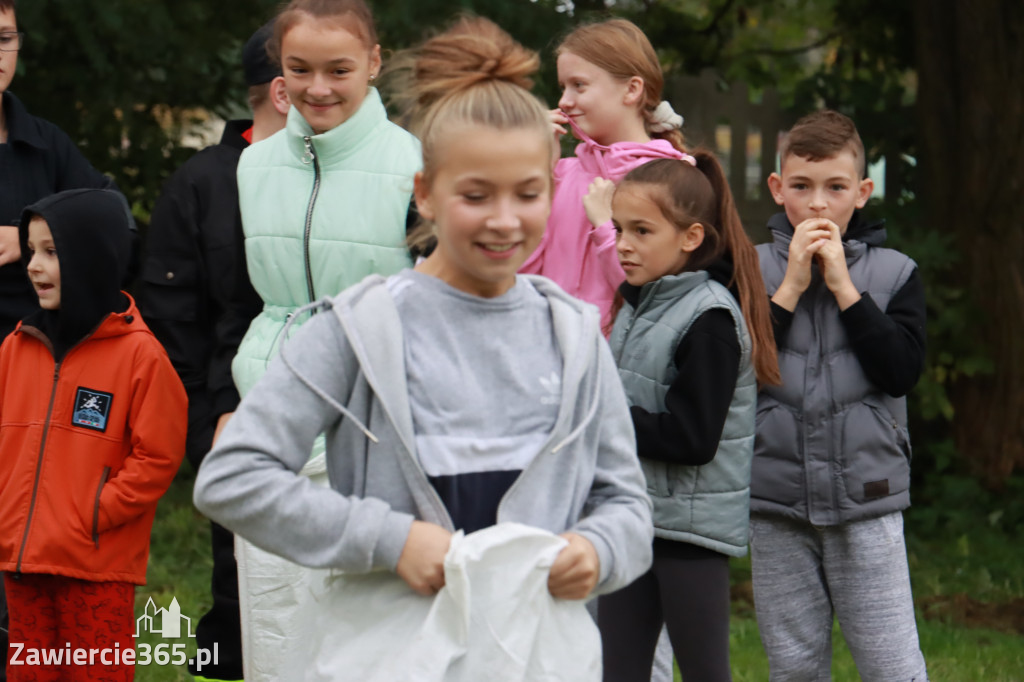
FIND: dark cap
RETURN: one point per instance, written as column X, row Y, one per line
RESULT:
column 255, row 61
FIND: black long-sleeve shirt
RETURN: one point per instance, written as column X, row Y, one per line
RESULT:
column 890, row 344
column 697, row 403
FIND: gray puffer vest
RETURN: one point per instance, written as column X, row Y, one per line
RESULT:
column 831, row 447
column 705, row 505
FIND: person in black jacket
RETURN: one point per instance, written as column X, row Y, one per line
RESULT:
column 37, row 159
column 196, row 296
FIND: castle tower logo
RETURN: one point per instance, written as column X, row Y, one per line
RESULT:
column 164, row 622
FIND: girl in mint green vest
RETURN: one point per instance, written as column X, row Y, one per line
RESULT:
column 692, row 339
column 324, row 204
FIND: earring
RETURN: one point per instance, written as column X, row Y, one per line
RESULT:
column 372, row 76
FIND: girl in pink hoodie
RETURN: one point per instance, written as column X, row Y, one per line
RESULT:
column 611, row 84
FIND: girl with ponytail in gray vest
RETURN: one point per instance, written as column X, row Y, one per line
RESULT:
column 692, row 340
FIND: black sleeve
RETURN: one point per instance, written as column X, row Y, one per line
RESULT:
column 891, row 345
column 782, row 319
column 237, row 303
column 697, row 402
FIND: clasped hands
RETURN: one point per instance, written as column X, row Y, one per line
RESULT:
column 816, row 240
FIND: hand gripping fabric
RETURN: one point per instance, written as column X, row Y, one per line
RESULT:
column 494, row 620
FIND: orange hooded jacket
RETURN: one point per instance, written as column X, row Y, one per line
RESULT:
column 86, row 455
column 92, row 414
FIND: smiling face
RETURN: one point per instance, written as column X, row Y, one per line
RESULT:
column 8, row 60
column 650, row 246
column 327, row 69
column 604, row 107
column 489, row 200
column 831, row 188
column 43, row 266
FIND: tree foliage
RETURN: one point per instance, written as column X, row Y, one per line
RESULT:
column 125, row 78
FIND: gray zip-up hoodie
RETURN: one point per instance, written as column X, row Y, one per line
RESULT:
column 343, row 375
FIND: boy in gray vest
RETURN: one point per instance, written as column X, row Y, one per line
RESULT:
column 831, row 471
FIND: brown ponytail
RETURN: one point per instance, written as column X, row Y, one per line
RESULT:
column 688, row 194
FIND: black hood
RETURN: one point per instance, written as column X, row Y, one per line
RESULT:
column 870, row 232
column 91, row 230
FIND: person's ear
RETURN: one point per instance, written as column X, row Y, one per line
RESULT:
column 864, row 190
column 375, row 62
column 421, row 192
column 279, row 96
column 775, row 187
column 634, row 91
column 691, row 238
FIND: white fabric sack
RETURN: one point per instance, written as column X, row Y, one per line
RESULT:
column 494, row 620
column 276, row 598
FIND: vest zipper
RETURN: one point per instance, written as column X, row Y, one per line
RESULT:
column 310, row 157
column 827, row 415
column 39, row 466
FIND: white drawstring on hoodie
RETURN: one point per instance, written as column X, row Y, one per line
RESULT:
column 314, row 307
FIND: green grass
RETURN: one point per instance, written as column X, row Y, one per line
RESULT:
column 969, row 590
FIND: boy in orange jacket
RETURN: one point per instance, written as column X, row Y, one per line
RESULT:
column 92, row 431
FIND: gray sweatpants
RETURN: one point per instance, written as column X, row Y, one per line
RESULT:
column 803, row 575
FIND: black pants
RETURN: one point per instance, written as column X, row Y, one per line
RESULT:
column 222, row 624
column 687, row 589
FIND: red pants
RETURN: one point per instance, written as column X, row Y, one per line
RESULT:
column 61, row 623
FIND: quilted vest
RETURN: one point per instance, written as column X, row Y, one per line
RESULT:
column 831, row 447
column 703, row 505
column 320, row 213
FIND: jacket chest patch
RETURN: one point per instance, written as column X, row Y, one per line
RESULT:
column 91, row 409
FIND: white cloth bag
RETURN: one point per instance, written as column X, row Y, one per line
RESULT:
column 276, row 598
column 494, row 620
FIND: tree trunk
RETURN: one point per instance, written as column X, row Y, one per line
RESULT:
column 971, row 117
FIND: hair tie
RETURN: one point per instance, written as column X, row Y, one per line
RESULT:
column 688, row 159
column 664, row 119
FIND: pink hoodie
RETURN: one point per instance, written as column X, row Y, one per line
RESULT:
column 577, row 256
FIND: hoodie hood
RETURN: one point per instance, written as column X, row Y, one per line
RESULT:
column 614, row 161
column 91, row 230
column 860, row 229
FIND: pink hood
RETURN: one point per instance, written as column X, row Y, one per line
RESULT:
column 579, row 257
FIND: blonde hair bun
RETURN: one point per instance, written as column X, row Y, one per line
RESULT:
column 473, row 50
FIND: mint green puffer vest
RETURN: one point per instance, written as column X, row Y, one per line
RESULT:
column 320, row 213
column 708, row 505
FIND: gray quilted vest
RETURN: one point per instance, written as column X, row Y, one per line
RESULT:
column 831, row 447
column 702, row 505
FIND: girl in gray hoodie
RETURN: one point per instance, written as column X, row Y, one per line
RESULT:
column 456, row 395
